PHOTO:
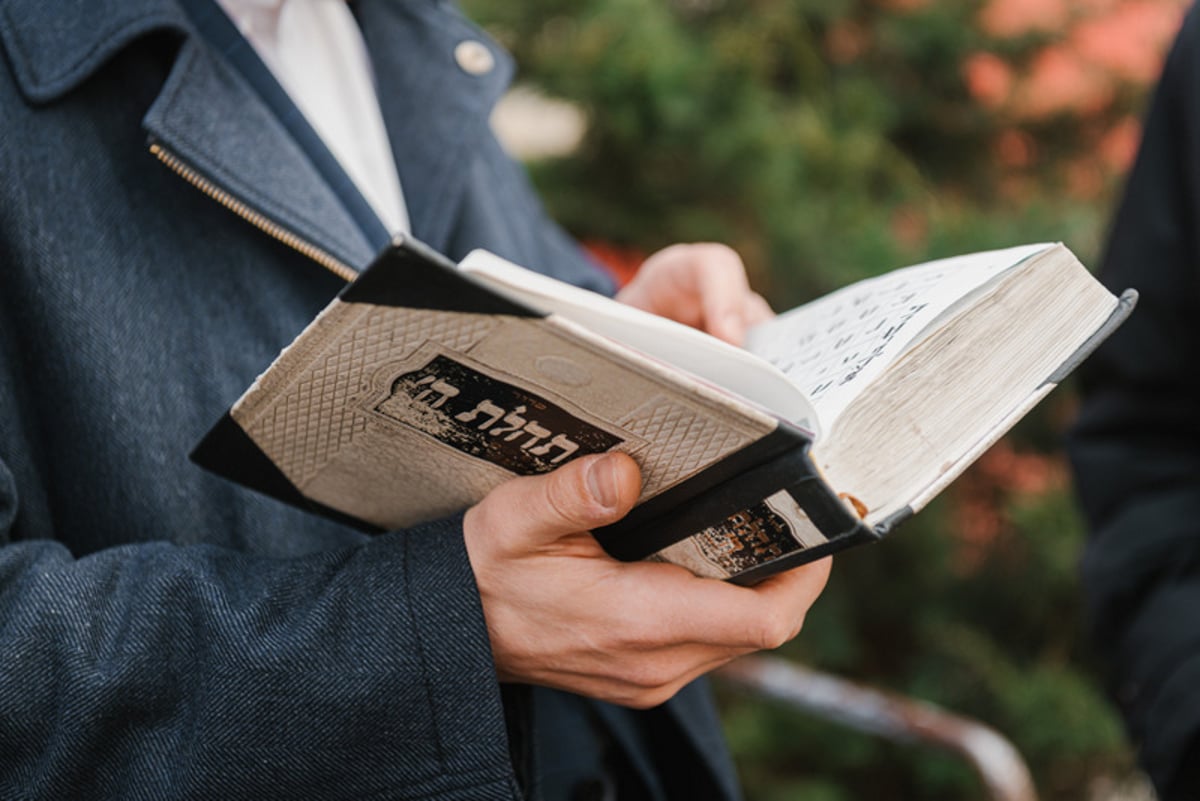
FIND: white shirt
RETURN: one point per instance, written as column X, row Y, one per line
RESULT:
column 315, row 50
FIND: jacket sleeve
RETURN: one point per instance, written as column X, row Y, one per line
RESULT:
column 156, row 671
column 1136, row 446
column 159, row 671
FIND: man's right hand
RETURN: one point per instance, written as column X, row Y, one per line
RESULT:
column 562, row 613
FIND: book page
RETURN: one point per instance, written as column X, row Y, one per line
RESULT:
column 705, row 357
column 834, row 346
column 957, row 389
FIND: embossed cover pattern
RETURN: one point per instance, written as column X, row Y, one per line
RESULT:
column 688, row 440
column 314, row 417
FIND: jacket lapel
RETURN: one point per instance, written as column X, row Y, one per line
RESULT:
column 210, row 118
column 215, row 127
column 214, row 122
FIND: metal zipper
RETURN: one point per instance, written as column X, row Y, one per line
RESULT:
column 259, row 221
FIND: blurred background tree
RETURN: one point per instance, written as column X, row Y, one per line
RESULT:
column 829, row 140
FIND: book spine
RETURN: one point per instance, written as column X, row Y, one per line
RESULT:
column 759, row 511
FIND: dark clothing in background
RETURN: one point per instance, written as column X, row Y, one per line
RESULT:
column 164, row 633
column 1136, row 448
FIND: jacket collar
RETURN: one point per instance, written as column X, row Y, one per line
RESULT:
column 53, row 50
column 436, row 112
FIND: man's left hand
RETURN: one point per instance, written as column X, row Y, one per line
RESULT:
column 702, row 285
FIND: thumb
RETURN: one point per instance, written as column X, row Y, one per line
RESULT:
column 579, row 496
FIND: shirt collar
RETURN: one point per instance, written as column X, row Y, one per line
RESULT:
column 254, row 18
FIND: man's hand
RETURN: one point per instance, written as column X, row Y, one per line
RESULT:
column 701, row 285
column 562, row 613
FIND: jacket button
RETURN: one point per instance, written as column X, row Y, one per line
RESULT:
column 474, row 57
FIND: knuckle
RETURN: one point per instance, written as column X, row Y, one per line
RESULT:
column 718, row 251
column 650, row 675
column 650, row 698
column 775, row 629
column 565, row 497
column 556, row 498
column 637, row 636
column 723, row 257
column 796, row 627
column 638, row 702
column 667, row 259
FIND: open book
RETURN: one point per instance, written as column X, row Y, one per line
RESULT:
column 425, row 384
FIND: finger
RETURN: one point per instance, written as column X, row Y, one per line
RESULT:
column 664, row 285
column 583, row 494
column 722, row 288
column 760, row 617
column 756, row 310
column 642, row 680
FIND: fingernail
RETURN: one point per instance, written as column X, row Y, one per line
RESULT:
column 602, row 481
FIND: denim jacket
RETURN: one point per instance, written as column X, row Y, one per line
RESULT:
column 163, row 234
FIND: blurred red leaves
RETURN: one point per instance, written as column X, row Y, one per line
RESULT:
column 1001, row 478
column 621, row 262
column 1084, row 54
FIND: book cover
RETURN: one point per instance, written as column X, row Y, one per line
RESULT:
column 419, row 389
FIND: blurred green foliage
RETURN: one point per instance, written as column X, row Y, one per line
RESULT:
column 829, row 140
